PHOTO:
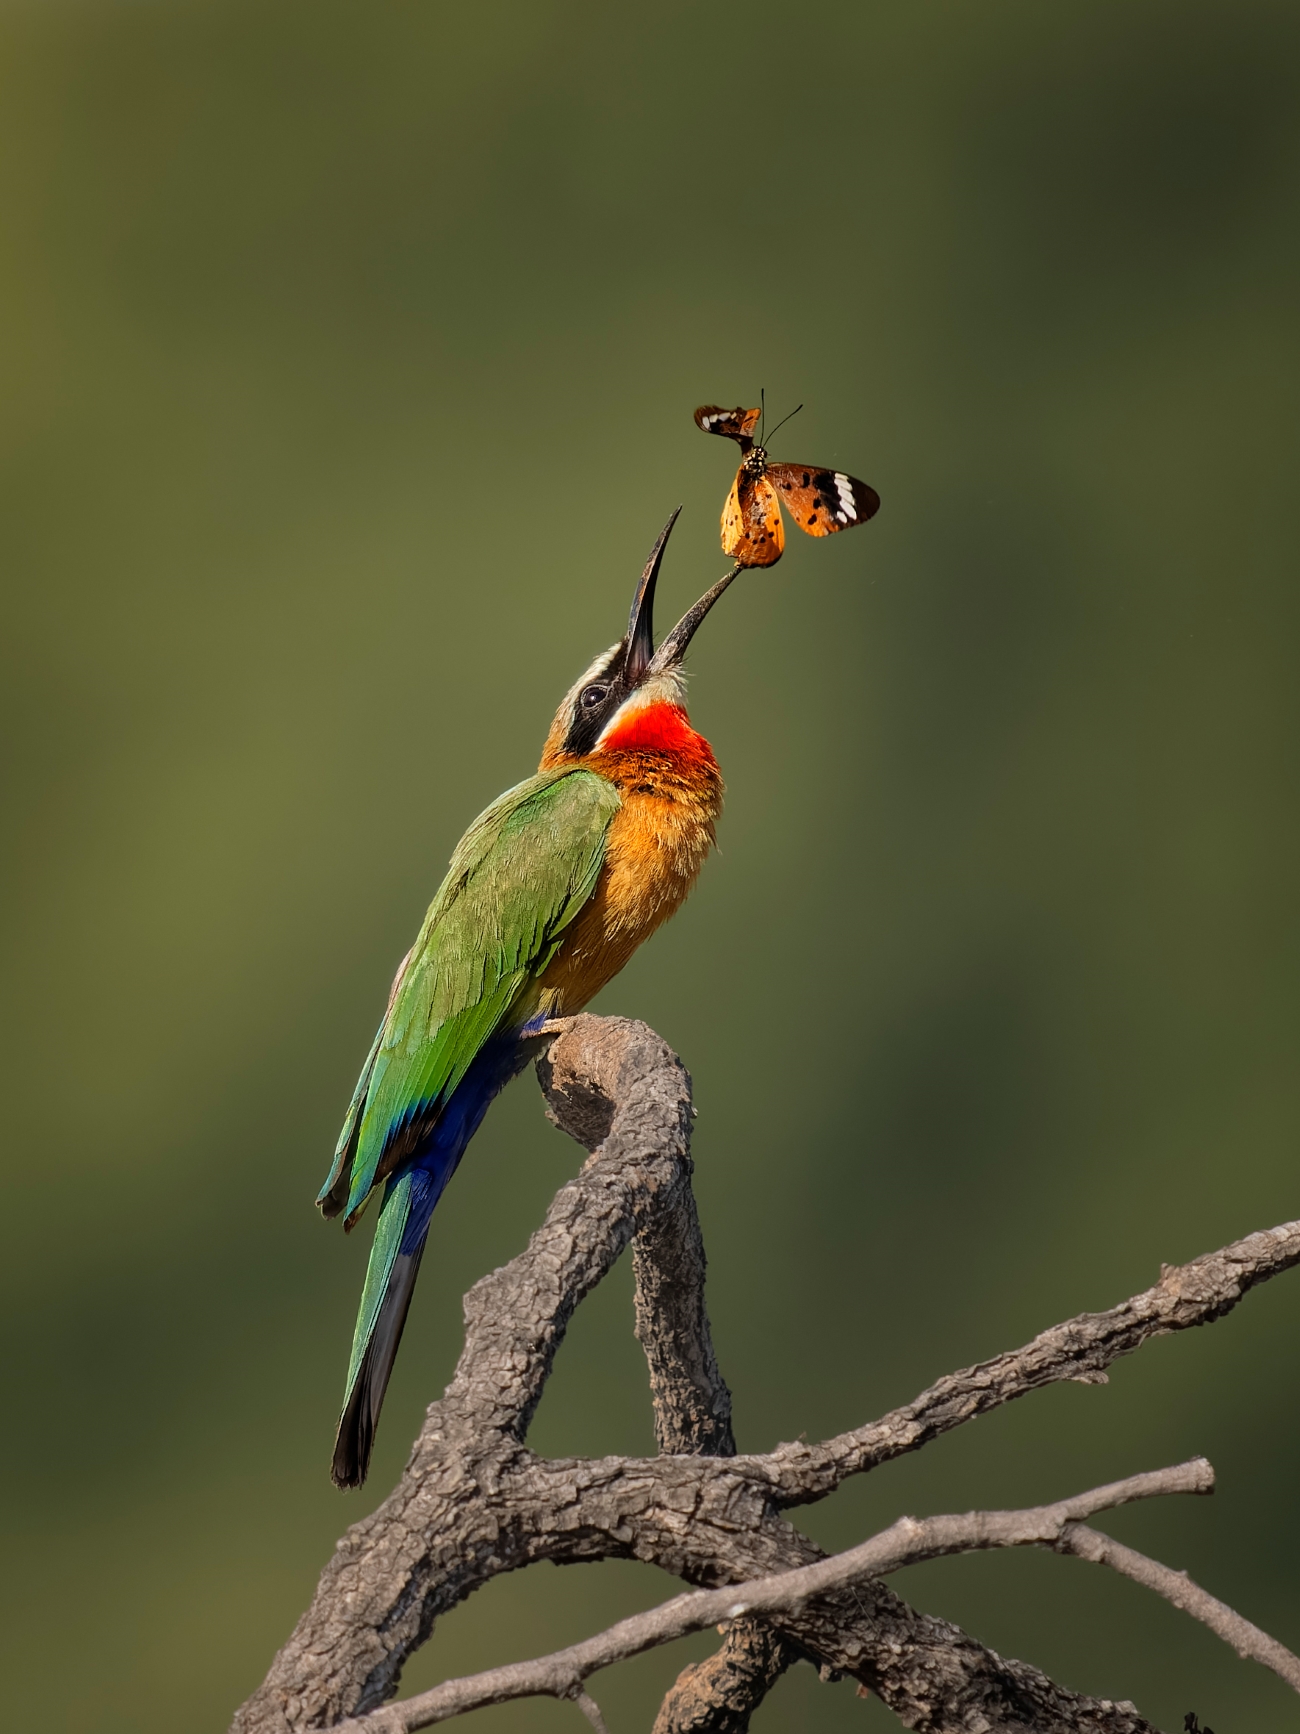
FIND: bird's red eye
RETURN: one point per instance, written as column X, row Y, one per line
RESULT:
column 592, row 696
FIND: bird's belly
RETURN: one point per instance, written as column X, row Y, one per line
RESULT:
column 655, row 851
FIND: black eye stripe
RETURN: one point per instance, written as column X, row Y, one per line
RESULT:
column 595, row 705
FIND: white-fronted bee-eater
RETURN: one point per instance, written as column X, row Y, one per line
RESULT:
column 549, row 893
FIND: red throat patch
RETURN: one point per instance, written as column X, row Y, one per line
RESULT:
column 658, row 728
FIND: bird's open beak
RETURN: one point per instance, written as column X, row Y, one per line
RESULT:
column 642, row 657
column 640, row 625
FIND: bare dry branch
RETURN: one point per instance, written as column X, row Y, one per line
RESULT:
column 591, row 1710
column 692, row 1409
column 720, row 1694
column 905, row 1542
column 1246, row 1639
column 692, row 1405
column 1081, row 1349
column 474, row 1501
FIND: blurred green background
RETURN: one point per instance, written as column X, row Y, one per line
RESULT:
column 349, row 356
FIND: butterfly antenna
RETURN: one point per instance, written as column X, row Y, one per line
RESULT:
column 784, row 419
column 762, row 413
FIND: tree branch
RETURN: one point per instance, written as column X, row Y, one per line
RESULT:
column 720, row 1694
column 1247, row 1640
column 459, row 1515
column 591, row 1710
column 473, row 1501
column 906, row 1542
column 1081, row 1349
column 692, row 1405
column 692, row 1408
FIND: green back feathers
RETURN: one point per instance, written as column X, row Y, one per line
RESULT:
column 520, row 874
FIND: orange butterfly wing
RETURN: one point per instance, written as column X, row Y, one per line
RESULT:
column 732, row 424
column 823, row 501
column 752, row 531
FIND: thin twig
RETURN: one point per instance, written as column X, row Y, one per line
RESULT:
column 905, row 1542
column 591, row 1710
column 1246, row 1639
column 1080, row 1350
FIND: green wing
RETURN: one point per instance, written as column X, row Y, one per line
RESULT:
column 520, row 874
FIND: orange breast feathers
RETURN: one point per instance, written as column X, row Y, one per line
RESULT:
column 672, row 796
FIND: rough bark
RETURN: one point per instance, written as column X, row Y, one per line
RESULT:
column 718, row 1696
column 563, row 1674
column 474, row 1501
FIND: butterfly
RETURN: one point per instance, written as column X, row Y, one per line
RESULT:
column 819, row 501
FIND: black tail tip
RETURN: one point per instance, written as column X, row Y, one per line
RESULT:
column 353, row 1444
column 360, row 1418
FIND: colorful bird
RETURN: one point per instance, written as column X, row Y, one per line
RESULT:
column 549, row 893
column 819, row 501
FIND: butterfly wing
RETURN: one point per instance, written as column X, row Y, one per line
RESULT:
column 823, row 501
column 732, row 424
column 752, row 531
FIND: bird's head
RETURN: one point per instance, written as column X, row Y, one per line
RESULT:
column 632, row 697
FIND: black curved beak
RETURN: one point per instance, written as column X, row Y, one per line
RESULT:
column 640, row 625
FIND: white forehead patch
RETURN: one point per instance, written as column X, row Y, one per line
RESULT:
column 599, row 670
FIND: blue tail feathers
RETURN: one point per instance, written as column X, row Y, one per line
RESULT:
column 410, row 1197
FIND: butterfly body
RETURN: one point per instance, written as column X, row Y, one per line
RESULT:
column 820, row 501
